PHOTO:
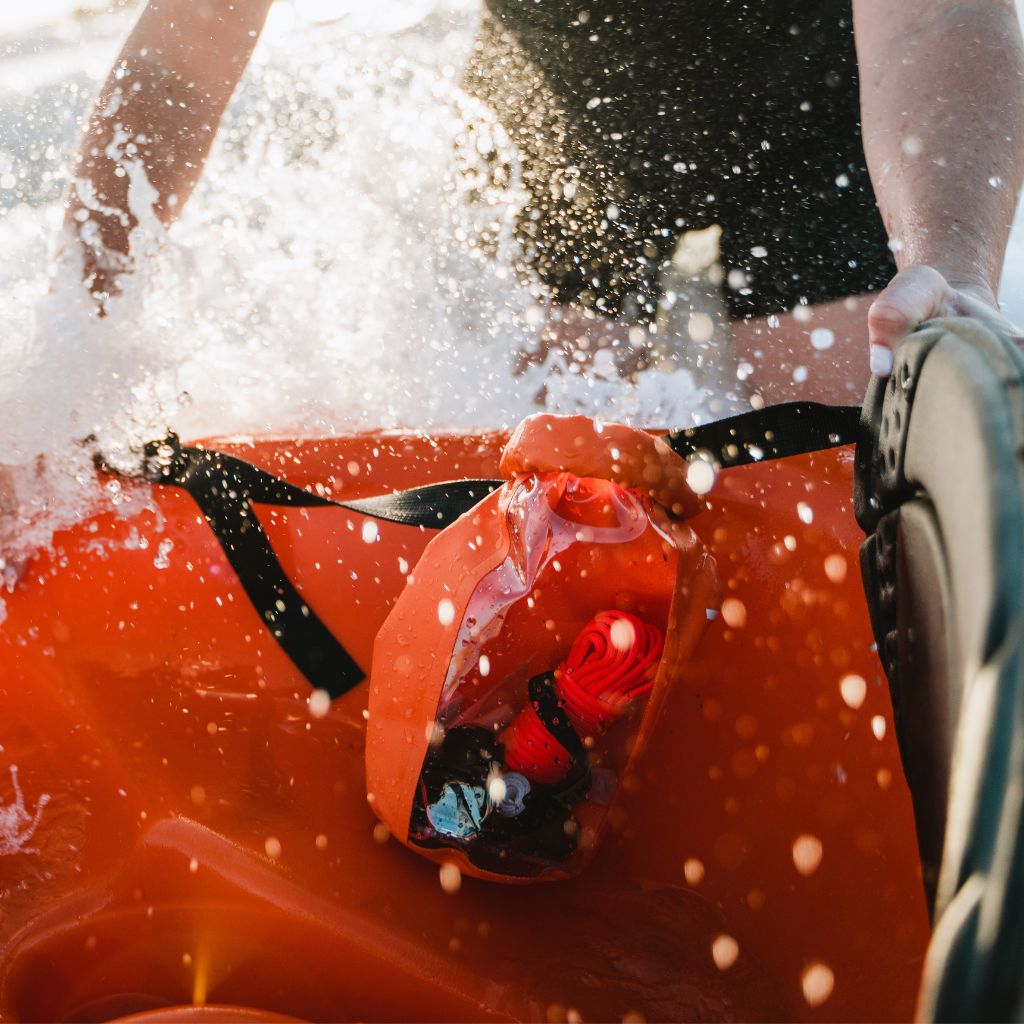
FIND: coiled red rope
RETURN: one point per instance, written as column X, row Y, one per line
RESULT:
column 611, row 665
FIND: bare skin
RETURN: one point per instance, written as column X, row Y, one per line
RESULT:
column 941, row 88
column 943, row 118
column 162, row 105
column 941, row 105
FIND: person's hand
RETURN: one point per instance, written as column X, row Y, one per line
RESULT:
column 102, row 268
column 920, row 293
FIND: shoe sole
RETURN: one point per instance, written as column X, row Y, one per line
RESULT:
column 940, row 493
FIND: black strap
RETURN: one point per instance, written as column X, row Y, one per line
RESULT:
column 216, row 475
column 225, row 489
column 553, row 716
column 776, row 432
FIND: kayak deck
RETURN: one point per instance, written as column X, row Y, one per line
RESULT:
column 207, row 838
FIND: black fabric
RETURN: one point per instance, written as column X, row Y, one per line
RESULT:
column 548, row 706
column 793, row 428
column 680, row 114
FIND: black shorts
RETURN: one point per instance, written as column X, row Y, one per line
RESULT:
column 638, row 120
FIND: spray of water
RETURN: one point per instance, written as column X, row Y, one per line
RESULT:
column 326, row 277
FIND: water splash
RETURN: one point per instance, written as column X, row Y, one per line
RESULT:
column 17, row 824
column 327, row 276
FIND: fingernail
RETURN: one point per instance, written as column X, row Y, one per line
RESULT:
column 880, row 360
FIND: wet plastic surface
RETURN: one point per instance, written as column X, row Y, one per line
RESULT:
column 207, row 836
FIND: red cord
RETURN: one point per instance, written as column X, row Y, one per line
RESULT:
column 611, row 665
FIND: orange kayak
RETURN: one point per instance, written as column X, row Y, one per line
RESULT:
column 180, row 825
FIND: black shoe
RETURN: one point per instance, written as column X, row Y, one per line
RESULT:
column 940, row 493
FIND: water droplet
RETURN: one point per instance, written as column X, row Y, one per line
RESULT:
column 451, row 878
column 496, row 789
column 807, row 853
column 911, row 145
column 622, row 635
column 445, row 612
column 163, row 551
column 822, row 339
column 853, row 689
column 319, row 703
column 700, row 476
column 734, row 612
column 835, row 568
column 817, row 982
column 724, row 951
column 700, row 327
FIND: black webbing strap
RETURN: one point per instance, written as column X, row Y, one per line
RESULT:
column 225, row 488
column 775, row 432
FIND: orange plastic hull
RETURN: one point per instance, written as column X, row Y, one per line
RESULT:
column 206, row 838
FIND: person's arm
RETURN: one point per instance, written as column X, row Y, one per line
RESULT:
column 942, row 104
column 159, row 108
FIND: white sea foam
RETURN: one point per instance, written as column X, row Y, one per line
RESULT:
column 320, row 281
